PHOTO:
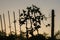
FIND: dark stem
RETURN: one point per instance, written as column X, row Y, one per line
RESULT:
column 52, row 26
column 4, row 22
column 1, row 24
column 9, row 22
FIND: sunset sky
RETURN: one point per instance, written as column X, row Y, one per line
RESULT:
column 45, row 7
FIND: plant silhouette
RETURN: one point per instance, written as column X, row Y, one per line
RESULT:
column 32, row 15
column 35, row 16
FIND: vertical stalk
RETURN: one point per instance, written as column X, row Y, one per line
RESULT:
column 14, row 22
column 9, row 21
column 19, row 19
column 52, row 26
column 1, row 24
column 4, row 22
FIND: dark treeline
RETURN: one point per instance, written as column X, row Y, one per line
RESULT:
column 34, row 16
column 21, row 37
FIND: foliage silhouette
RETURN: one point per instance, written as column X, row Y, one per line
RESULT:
column 35, row 17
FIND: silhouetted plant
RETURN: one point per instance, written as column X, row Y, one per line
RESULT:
column 35, row 16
